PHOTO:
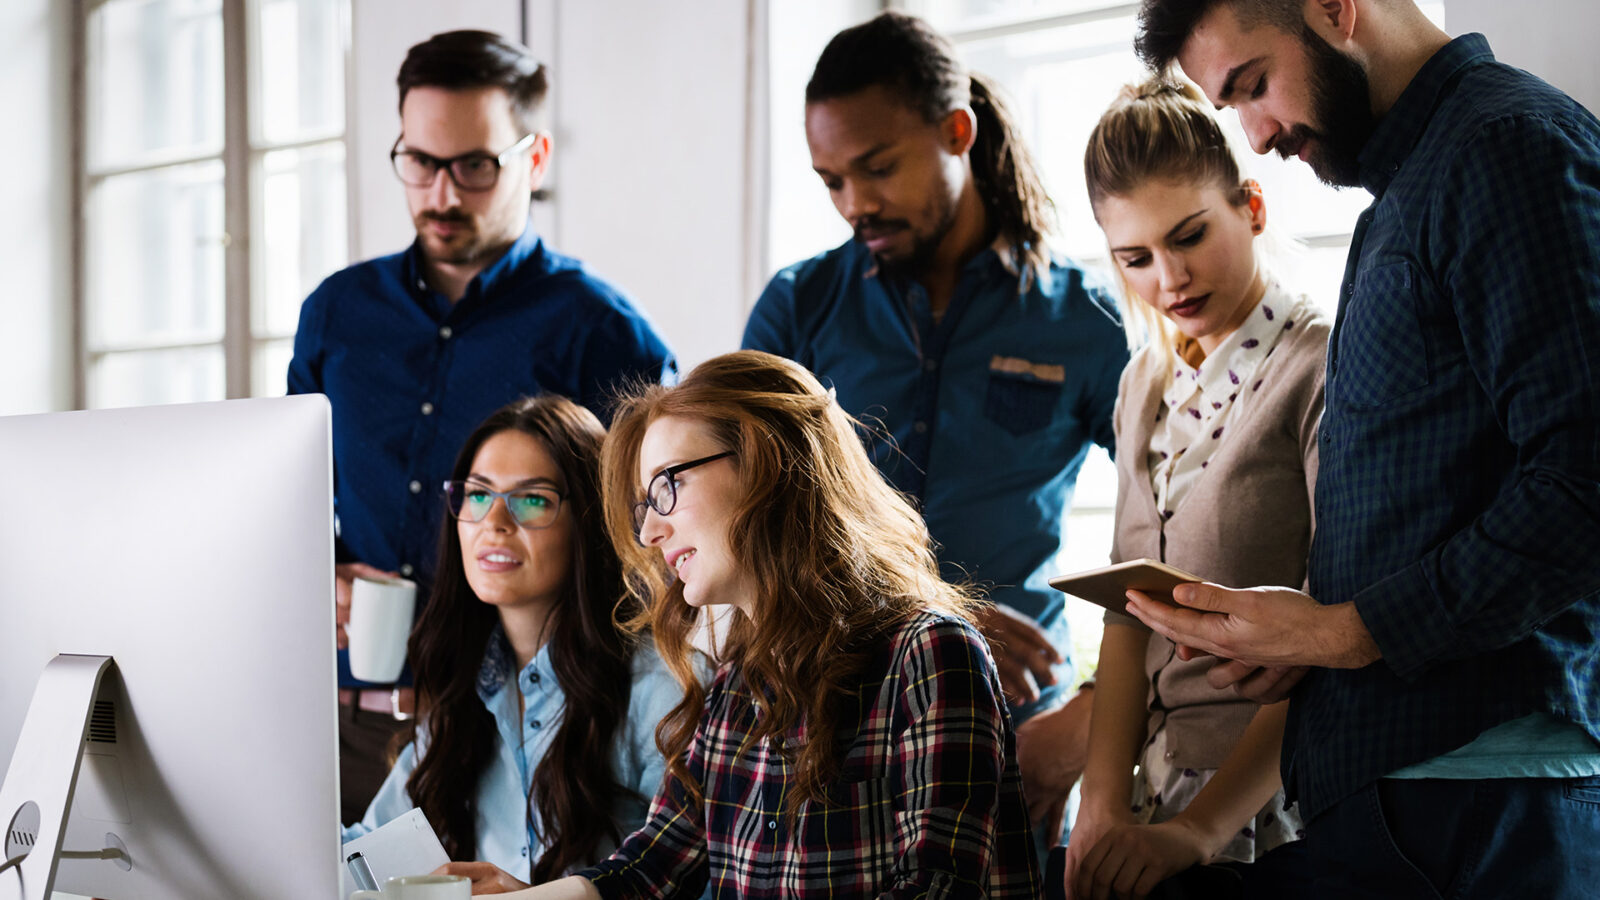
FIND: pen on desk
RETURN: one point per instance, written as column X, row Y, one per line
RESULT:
column 361, row 872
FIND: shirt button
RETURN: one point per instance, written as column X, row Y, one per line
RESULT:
column 445, row 332
column 416, row 487
column 534, row 723
column 524, row 851
column 533, row 677
column 427, row 409
column 772, row 825
column 920, row 427
column 422, row 284
column 406, row 570
column 1170, row 754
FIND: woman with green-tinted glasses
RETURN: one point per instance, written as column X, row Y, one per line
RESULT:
column 533, row 751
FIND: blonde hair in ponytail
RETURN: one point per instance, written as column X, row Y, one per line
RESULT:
column 1161, row 128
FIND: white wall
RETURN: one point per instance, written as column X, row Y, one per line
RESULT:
column 1554, row 39
column 36, row 305
column 653, row 123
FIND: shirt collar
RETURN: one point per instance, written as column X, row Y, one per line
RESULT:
column 526, row 245
column 1226, row 369
column 1400, row 129
column 1011, row 256
column 500, row 664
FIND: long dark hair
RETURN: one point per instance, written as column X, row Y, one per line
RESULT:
column 906, row 56
column 574, row 785
column 827, row 593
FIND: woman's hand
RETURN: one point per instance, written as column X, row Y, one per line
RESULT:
column 1130, row 860
column 487, row 878
column 1093, row 822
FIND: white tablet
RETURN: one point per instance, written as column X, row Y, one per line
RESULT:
column 1108, row 585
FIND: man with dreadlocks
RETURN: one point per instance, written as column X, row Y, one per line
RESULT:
column 989, row 362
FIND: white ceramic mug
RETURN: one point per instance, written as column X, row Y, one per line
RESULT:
column 380, row 623
column 420, row 887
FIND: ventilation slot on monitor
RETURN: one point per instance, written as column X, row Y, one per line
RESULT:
column 103, row 723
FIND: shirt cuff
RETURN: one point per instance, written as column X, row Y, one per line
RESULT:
column 1406, row 620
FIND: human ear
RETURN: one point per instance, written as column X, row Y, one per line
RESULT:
column 1333, row 20
column 539, row 160
column 1256, row 204
column 959, row 130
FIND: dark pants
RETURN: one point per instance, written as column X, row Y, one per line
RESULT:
column 366, row 752
column 1434, row 838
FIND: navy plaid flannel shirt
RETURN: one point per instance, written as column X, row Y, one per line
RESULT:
column 928, row 802
column 1458, row 503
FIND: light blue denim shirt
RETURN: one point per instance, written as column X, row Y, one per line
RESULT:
column 505, row 835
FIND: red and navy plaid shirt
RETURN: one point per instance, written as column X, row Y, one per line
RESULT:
column 927, row 803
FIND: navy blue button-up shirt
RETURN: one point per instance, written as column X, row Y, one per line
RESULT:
column 410, row 374
column 1458, row 502
column 985, row 416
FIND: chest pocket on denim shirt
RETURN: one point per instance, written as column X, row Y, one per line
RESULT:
column 1022, row 395
column 1383, row 354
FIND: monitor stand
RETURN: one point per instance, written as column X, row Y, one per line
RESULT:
column 37, row 792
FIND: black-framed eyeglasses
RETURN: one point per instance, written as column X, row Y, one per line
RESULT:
column 662, row 493
column 531, row 507
column 476, row 171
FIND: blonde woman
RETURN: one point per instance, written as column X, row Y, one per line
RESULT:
column 1216, row 426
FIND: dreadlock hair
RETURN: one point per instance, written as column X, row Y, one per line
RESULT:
column 904, row 55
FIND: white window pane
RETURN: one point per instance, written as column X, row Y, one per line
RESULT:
column 1088, row 546
column 958, row 15
column 269, row 369
column 1316, row 272
column 155, row 80
column 155, row 257
column 299, row 69
column 301, row 236
column 144, row 378
column 1060, row 80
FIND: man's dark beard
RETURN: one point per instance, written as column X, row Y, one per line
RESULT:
column 1341, row 100
column 923, row 249
column 468, row 253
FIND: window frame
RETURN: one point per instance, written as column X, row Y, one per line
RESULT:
column 242, row 154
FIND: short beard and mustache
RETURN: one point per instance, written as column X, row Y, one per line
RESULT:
column 467, row 253
column 923, row 247
column 1341, row 99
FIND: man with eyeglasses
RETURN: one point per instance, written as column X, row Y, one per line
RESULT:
column 416, row 348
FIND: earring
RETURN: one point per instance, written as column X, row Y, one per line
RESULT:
column 1256, row 228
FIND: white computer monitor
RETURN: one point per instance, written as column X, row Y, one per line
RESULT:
column 193, row 545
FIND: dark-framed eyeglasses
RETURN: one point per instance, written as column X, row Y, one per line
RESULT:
column 531, row 507
column 662, row 493
column 476, row 171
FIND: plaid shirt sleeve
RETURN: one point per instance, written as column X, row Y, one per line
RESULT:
column 1518, row 230
column 951, row 766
